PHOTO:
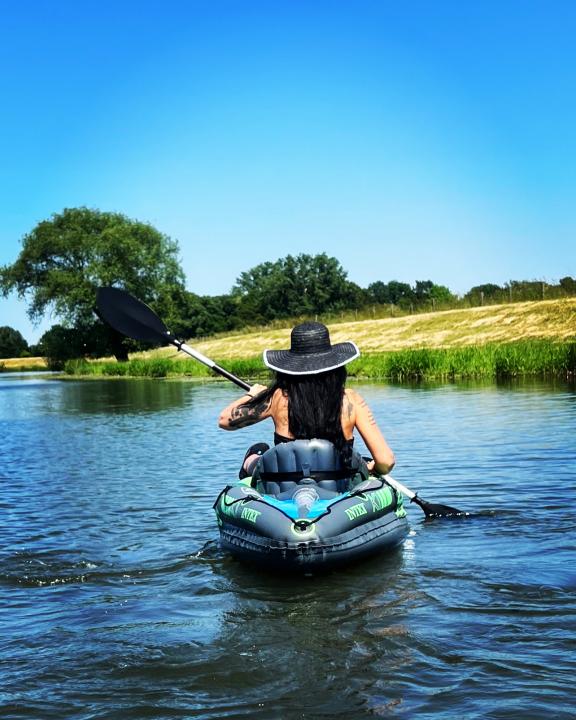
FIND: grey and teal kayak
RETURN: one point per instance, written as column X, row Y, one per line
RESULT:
column 304, row 510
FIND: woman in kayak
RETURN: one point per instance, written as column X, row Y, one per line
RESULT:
column 308, row 399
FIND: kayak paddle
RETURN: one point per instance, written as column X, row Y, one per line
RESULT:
column 136, row 320
column 431, row 510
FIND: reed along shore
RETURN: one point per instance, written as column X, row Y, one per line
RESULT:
column 526, row 357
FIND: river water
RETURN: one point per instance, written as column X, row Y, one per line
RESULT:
column 116, row 601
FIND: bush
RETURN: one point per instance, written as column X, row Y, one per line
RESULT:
column 12, row 344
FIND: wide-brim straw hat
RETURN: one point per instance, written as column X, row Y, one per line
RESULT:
column 311, row 352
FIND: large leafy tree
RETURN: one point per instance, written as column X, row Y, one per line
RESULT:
column 442, row 295
column 64, row 259
column 400, row 293
column 294, row 286
column 428, row 293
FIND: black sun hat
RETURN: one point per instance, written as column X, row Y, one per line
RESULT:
column 310, row 352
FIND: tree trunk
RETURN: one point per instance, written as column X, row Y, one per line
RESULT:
column 117, row 346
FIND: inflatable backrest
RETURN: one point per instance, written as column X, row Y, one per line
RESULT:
column 286, row 465
column 298, row 454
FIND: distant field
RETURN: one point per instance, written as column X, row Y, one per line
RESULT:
column 31, row 363
column 548, row 319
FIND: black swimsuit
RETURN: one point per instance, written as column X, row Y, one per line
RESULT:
column 278, row 439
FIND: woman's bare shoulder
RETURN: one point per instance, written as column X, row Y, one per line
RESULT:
column 279, row 397
column 354, row 403
column 278, row 402
column 352, row 396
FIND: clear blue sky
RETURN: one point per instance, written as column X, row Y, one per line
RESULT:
column 411, row 140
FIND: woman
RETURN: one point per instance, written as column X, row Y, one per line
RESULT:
column 308, row 399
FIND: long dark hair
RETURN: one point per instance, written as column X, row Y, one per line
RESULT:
column 314, row 403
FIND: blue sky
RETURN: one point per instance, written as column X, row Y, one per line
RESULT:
column 414, row 140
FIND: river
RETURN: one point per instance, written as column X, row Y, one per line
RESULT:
column 117, row 603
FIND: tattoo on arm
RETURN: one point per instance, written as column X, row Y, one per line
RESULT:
column 349, row 408
column 245, row 415
column 371, row 419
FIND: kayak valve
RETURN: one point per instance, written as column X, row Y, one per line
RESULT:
column 303, row 527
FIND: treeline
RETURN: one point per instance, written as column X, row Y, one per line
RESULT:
column 291, row 288
column 66, row 258
column 317, row 287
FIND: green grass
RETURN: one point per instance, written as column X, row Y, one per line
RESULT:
column 527, row 357
column 162, row 368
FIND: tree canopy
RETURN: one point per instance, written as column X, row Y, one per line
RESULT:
column 294, row 286
column 65, row 259
column 12, row 344
column 424, row 294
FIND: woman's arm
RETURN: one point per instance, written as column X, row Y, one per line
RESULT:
column 375, row 442
column 239, row 414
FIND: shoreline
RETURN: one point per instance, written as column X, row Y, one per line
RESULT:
column 526, row 338
column 494, row 360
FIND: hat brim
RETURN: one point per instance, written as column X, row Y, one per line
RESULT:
column 290, row 363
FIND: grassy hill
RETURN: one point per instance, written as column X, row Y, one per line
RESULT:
column 547, row 319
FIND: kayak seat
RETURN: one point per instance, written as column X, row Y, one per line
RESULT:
column 284, row 467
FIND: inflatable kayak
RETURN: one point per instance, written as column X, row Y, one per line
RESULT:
column 304, row 508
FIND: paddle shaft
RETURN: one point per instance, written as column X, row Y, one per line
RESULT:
column 431, row 510
column 211, row 364
column 401, row 488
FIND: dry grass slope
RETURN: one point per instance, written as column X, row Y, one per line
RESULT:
column 551, row 319
column 31, row 363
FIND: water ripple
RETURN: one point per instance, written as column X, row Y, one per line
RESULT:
column 116, row 601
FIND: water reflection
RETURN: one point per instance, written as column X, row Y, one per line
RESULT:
column 122, row 396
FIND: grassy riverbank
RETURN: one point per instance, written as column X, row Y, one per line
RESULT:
column 531, row 338
column 497, row 324
column 529, row 357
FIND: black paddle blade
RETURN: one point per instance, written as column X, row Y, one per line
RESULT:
column 130, row 316
column 436, row 510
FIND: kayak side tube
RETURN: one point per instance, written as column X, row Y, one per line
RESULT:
column 354, row 524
